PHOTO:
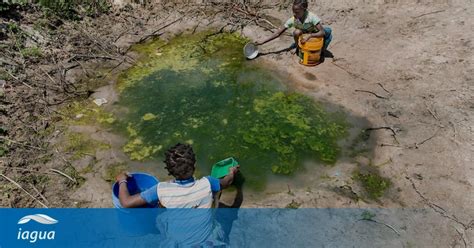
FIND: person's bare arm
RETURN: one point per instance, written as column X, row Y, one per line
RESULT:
column 319, row 34
column 274, row 36
column 227, row 180
column 127, row 200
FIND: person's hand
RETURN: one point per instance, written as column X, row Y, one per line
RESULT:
column 234, row 169
column 122, row 176
column 305, row 39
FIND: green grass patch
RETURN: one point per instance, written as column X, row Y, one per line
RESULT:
column 113, row 170
column 31, row 52
column 80, row 145
column 373, row 183
column 86, row 113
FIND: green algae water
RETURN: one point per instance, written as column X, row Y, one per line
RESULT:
column 200, row 90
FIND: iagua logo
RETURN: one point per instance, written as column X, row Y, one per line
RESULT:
column 33, row 236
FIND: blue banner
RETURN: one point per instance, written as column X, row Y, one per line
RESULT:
column 216, row 227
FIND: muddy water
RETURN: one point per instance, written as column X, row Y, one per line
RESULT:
column 200, row 90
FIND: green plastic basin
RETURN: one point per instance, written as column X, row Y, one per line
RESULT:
column 221, row 168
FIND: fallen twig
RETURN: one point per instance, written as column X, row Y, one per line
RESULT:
column 81, row 153
column 99, row 44
column 11, row 75
column 96, row 57
column 381, row 86
column 39, row 193
column 84, row 69
column 394, row 133
column 19, row 143
column 349, row 72
column 382, row 223
column 370, row 92
column 384, row 144
column 49, row 76
column 19, row 186
column 220, row 31
column 431, row 112
column 153, row 34
column 438, row 209
column 289, row 190
column 121, row 34
column 392, row 114
column 255, row 16
column 462, row 237
column 195, row 27
column 24, row 169
column 116, row 66
column 417, row 144
column 25, row 84
column 429, row 13
column 64, row 174
column 268, row 22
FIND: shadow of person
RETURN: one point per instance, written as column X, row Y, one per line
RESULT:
column 325, row 54
column 276, row 52
column 239, row 196
column 227, row 214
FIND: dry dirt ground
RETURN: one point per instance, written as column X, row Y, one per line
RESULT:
column 407, row 66
column 417, row 59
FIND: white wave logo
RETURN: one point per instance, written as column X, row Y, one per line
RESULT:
column 34, row 235
column 40, row 218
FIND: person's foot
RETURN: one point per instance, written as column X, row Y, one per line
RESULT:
column 293, row 46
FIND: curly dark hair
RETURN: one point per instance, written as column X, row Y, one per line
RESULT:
column 303, row 3
column 180, row 160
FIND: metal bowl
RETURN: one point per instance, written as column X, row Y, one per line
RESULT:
column 250, row 50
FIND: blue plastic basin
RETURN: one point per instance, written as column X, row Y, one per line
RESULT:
column 136, row 222
column 138, row 183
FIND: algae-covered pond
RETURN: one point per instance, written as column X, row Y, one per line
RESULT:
column 200, row 90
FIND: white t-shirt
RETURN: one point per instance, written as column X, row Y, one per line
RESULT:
column 309, row 24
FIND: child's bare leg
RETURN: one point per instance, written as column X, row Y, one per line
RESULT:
column 296, row 35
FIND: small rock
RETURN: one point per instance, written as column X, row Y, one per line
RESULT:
column 79, row 116
column 100, row 101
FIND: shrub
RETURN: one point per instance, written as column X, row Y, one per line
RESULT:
column 72, row 9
